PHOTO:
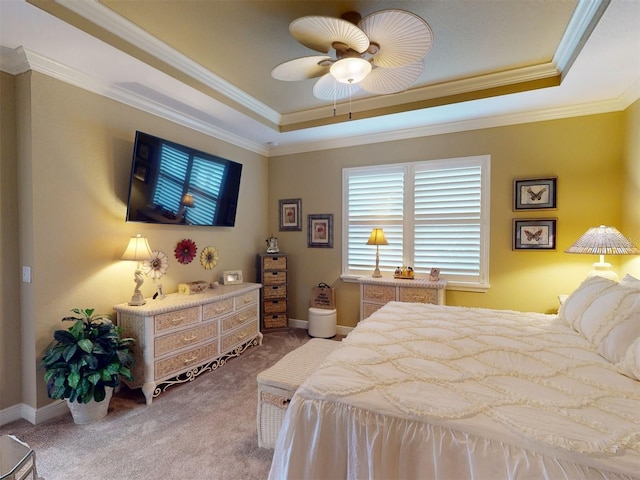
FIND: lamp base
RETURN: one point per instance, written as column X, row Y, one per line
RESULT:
column 376, row 273
column 603, row 269
column 137, row 299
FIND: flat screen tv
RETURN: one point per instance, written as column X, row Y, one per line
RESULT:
column 174, row 184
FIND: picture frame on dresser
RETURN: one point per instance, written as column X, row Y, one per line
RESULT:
column 320, row 230
column 535, row 194
column 290, row 214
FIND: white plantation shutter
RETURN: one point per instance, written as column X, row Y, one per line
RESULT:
column 434, row 214
column 375, row 198
column 202, row 178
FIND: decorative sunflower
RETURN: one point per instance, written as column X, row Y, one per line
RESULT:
column 185, row 251
column 156, row 266
column 209, row 257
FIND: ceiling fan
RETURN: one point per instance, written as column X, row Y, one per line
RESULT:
column 381, row 53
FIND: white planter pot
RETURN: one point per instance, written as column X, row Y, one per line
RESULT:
column 84, row 413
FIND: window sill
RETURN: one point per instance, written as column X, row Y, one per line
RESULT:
column 453, row 286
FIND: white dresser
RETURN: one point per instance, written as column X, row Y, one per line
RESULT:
column 181, row 336
column 376, row 292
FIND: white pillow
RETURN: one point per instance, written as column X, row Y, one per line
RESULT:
column 574, row 307
column 606, row 313
column 630, row 281
column 623, row 330
column 630, row 366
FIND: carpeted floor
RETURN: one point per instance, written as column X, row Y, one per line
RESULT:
column 201, row 430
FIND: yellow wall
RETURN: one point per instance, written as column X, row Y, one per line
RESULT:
column 585, row 153
column 631, row 178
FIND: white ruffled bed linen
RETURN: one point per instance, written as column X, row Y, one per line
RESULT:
column 426, row 391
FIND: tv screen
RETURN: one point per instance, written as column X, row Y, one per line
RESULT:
column 174, row 184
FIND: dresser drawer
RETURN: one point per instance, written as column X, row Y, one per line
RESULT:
column 274, row 263
column 378, row 293
column 179, row 318
column 214, row 309
column 418, row 295
column 274, row 306
column 369, row 308
column 246, row 299
column 243, row 316
column 173, row 365
column 274, row 278
column 275, row 321
column 239, row 336
column 175, row 341
column 279, row 291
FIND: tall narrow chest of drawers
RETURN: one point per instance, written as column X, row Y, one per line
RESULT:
column 182, row 336
column 273, row 275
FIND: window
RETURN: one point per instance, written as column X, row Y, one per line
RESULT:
column 435, row 214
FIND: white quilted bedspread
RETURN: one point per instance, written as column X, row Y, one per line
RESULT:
column 531, row 374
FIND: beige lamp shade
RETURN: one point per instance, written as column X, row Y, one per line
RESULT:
column 187, row 200
column 138, row 249
column 603, row 241
column 377, row 237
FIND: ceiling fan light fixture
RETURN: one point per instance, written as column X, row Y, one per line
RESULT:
column 350, row 70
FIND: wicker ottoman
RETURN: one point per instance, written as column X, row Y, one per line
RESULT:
column 277, row 384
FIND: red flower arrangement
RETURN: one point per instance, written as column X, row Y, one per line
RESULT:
column 185, row 251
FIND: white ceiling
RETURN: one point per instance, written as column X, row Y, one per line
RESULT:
column 207, row 64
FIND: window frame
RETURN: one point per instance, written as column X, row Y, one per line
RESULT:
column 482, row 161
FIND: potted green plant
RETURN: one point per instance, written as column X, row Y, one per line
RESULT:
column 85, row 363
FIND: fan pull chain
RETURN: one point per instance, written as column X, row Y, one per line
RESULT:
column 349, row 103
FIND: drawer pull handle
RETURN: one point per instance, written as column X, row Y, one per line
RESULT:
column 189, row 339
column 190, row 360
column 178, row 320
column 242, row 335
column 376, row 295
column 220, row 309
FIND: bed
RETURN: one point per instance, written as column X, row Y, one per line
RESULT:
column 440, row 392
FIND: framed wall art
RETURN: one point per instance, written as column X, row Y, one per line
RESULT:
column 535, row 194
column 290, row 214
column 320, row 230
column 534, row 234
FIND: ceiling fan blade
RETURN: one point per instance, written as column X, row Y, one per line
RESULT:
column 320, row 33
column 391, row 80
column 301, row 68
column 402, row 36
column 328, row 88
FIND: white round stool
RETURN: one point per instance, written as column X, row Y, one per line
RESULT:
column 322, row 322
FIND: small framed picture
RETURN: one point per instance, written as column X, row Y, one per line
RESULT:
column 290, row 214
column 535, row 194
column 320, row 230
column 434, row 276
column 535, row 234
column 232, row 277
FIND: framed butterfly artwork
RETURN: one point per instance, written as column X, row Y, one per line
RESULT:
column 534, row 234
column 535, row 194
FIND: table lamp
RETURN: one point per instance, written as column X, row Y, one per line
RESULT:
column 603, row 241
column 138, row 250
column 377, row 238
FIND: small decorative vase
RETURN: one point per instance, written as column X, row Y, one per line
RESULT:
column 93, row 411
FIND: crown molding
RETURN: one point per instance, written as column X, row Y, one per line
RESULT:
column 51, row 68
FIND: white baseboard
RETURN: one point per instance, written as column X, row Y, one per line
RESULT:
column 32, row 415
column 294, row 323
